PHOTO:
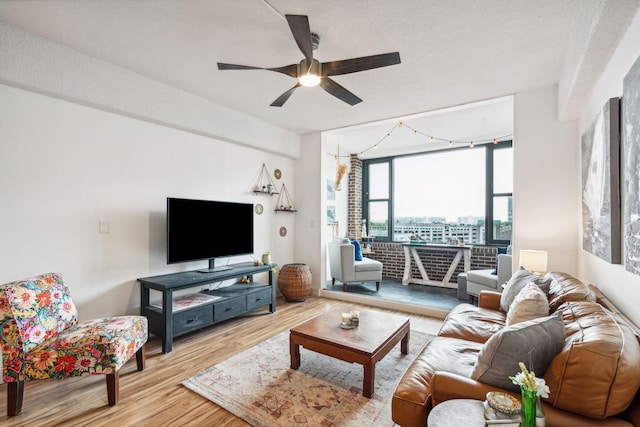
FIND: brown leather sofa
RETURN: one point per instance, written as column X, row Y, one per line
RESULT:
column 594, row 380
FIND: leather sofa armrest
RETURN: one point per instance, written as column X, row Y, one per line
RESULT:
column 489, row 299
column 447, row 386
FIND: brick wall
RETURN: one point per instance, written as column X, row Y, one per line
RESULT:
column 436, row 261
column 354, row 218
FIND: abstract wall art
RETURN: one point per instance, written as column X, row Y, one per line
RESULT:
column 601, row 232
column 631, row 169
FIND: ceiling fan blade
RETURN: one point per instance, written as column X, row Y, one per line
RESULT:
column 299, row 25
column 354, row 65
column 283, row 98
column 289, row 70
column 338, row 91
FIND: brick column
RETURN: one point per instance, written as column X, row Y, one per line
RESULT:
column 354, row 215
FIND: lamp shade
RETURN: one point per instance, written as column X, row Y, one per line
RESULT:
column 534, row 261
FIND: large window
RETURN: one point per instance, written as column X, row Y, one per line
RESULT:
column 441, row 197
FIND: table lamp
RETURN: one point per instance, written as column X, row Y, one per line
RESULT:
column 534, row 261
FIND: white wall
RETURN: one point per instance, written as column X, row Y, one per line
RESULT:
column 545, row 185
column 37, row 64
column 309, row 220
column 622, row 287
column 64, row 167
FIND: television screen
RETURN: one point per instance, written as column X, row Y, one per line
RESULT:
column 203, row 229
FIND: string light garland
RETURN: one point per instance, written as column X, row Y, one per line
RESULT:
column 430, row 139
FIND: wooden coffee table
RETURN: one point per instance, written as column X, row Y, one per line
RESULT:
column 365, row 344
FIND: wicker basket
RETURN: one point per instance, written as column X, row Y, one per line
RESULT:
column 294, row 281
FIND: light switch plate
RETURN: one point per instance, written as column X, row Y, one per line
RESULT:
column 104, row 227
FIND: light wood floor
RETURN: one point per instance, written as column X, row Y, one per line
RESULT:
column 155, row 396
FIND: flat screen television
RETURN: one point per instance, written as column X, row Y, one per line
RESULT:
column 207, row 229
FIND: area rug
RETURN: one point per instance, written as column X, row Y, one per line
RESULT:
column 259, row 386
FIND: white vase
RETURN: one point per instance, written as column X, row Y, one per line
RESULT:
column 266, row 259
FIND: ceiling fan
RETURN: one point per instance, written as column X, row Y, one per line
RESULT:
column 310, row 72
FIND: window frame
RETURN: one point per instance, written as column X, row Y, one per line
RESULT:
column 489, row 193
column 366, row 200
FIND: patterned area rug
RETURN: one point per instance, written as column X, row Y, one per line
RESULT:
column 259, row 386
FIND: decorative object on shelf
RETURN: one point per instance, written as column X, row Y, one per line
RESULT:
column 266, row 258
column 294, row 281
column 277, row 173
column 259, row 209
column 264, row 184
column 285, row 202
column 341, row 169
column 530, row 388
column 364, row 227
column 283, row 231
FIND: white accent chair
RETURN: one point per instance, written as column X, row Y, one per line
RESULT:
column 478, row 280
column 346, row 269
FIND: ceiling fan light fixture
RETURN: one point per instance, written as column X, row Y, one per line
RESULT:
column 309, row 80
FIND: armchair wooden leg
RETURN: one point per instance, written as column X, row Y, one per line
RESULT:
column 344, row 286
column 333, row 281
column 377, row 286
column 15, row 391
column 141, row 357
column 113, row 388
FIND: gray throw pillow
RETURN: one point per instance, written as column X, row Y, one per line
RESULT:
column 518, row 281
column 534, row 343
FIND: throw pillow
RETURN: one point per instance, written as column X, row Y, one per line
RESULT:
column 534, row 343
column 500, row 251
column 358, row 250
column 530, row 303
column 517, row 282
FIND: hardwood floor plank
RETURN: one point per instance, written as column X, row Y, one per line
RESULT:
column 155, row 396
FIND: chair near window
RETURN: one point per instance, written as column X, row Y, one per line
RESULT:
column 490, row 279
column 42, row 339
column 345, row 268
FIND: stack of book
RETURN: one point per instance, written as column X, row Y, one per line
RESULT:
column 501, row 409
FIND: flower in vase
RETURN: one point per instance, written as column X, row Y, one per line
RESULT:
column 527, row 379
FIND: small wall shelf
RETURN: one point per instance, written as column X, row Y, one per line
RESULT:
column 264, row 184
column 285, row 202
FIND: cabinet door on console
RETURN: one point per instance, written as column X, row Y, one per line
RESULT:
column 192, row 319
column 229, row 308
column 258, row 299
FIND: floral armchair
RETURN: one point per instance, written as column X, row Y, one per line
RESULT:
column 41, row 338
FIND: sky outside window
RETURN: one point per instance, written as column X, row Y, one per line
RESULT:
column 450, row 184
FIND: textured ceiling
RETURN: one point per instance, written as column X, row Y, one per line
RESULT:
column 453, row 52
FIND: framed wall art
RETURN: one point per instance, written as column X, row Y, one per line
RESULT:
column 601, row 233
column 331, row 189
column 631, row 169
